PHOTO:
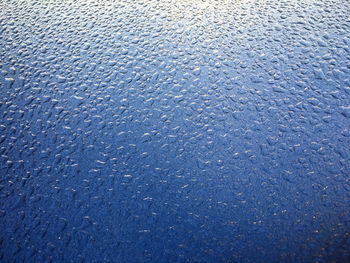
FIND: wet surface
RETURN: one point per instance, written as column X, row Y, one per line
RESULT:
column 175, row 131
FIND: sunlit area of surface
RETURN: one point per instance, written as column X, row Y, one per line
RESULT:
column 174, row 131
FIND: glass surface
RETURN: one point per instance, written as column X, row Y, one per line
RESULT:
column 175, row 131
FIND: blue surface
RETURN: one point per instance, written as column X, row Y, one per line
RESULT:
column 175, row 131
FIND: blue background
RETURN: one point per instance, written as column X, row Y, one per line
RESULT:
column 175, row 131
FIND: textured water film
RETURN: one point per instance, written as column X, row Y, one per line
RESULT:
column 175, row 131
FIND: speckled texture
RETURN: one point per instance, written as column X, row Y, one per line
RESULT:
column 175, row 131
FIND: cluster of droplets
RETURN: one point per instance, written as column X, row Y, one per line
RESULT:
column 174, row 130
